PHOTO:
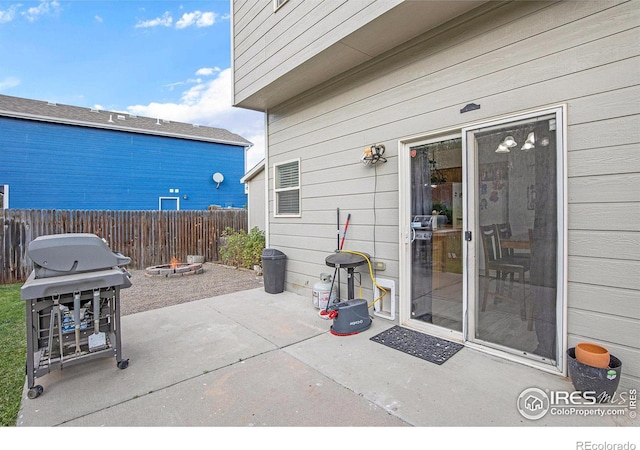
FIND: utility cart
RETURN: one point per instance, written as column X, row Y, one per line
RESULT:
column 72, row 303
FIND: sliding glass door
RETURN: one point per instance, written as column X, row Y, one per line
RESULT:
column 515, row 202
column 436, row 216
column 483, row 220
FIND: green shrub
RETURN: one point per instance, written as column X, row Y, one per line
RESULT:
column 242, row 249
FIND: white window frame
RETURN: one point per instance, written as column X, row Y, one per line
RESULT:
column 4, row 204
column 177, row 199
column 276, row 190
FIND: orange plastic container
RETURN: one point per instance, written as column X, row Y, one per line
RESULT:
column 592, row 355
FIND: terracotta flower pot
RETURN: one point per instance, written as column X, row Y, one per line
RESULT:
column 592, row 355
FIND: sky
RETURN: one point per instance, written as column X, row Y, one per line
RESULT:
column 156, row 58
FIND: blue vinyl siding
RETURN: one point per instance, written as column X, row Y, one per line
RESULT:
column 55, row 166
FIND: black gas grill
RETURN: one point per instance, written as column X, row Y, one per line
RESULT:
column 72, row 303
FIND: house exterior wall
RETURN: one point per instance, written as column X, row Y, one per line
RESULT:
column 257, row 196
column 268, row 43
column 57, row 166
column 508, row 58
column 279, row 53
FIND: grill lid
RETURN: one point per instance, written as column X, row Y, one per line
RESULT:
column 66, row 254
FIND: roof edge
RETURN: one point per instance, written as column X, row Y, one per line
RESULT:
column 253, row 172
column 59, row 120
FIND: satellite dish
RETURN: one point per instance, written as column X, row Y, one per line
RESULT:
column 218, row 178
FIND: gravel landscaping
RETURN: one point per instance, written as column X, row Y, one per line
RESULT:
column 152, row 292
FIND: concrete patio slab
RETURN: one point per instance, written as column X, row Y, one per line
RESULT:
column 268, row 360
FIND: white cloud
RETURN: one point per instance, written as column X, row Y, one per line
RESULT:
column 186, row 20
column 209, row 103
column 173, row 85
column 196, row 18
column 206, row 20
column 206, row 71
column 8, row 14
column 98, row 19
column 164, row 21
column 8, row 83
column 45, row 7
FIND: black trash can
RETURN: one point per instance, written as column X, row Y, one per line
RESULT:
column 273, row 265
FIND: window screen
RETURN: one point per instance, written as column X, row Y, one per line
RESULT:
column 287, row 188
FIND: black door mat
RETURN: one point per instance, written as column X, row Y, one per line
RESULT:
column 417, row 344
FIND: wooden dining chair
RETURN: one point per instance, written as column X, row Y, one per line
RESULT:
column 504, row 232
column 503, row 265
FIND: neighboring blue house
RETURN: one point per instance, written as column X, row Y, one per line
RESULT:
column 56, row 156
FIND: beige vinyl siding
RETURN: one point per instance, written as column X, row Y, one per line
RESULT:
column 619, row 308
column 249, row 18
column 256, row 201
column 474, row 68
column 591, row 216
column 272, row 34
column 267, row 43
column 507, row 58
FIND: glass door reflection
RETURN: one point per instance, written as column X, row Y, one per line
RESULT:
column 436, row 233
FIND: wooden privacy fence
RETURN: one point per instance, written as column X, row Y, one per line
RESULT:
column 149, row 238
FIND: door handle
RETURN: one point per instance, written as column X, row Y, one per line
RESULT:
column 408, row 240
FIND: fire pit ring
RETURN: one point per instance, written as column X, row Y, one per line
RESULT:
column 174, row 270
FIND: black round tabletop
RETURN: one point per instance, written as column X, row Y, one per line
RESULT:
column 345, row 260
